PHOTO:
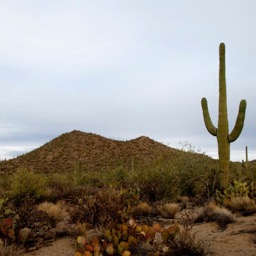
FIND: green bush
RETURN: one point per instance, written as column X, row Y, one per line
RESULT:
column 155, row 184
column 238, row 197
column 117, row 176
column 60, row 186
column 26, row 183
column 236, row 189
column 4, row 184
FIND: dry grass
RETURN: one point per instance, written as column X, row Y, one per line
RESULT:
column 57, row 211
column 212, row 212
column 245, row 205
column 143, row 209
column 187, row 245
column 168, row 210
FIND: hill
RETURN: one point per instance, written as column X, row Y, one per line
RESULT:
column 93, row 152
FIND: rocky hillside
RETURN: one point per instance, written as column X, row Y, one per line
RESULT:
column 93, row 152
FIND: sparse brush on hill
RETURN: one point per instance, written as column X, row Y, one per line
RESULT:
column 93, row 152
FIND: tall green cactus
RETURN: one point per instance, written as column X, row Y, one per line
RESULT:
column 222, row 132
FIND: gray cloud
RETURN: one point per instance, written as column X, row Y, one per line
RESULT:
column 123, row 69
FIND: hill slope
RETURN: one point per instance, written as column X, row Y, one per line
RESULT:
column 94, row 152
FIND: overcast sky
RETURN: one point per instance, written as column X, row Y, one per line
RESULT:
column 124, row 68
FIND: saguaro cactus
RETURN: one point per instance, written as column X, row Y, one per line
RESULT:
column 222, row 132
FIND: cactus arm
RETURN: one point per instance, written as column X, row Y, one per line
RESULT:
column 207, row 119
column 239, row 122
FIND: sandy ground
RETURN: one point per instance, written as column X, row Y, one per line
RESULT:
column 237, row 239
column 61, row 247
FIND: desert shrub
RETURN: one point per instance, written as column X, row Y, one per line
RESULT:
column 212, row 212
column 186, row 146
column 168, row 210
column 57, row 211
column 26, row 183
column 4, row 184
column 237, row 189
column 18, row 213
column 80, row 176
column 90, row 178
column 245, row 205
column 238, row 197
column 185, row 243
column 27, row 213
column 143, row 209
column 158, row 183
column 117, row 176
column 243, row 172
column 61, row 186
column 197, row 177
column 103, row 206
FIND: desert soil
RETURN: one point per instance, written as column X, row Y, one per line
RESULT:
column 61, row 247
column 237, row 239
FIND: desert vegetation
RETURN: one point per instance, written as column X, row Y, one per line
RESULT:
column 149, row 209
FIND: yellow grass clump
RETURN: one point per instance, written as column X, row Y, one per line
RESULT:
column 168, row 210
column 243, row 204
column 56, row 211
column 142, row 209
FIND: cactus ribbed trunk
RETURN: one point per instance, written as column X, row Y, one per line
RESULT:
column 223, row 143
column 222, row 131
